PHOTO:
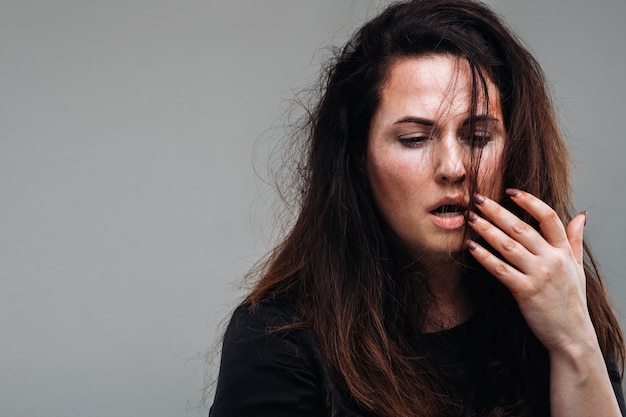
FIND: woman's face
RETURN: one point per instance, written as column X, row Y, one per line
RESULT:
column 417, row 158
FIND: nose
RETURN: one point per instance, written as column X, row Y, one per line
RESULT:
column 450, row 162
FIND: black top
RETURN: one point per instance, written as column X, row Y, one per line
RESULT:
column 281, row 373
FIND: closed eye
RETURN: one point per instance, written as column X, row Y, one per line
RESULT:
column 413, row 141
column 480, row 139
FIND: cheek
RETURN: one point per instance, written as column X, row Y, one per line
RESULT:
column 395, row 182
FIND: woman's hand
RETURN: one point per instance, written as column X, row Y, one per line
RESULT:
column 544, row 271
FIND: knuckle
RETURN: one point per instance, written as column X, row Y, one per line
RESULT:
column 559, row 263
column 576, row 241
column 501, row 270
column 509, row 245
column 530, row 288
column 544, row 273
column 496, row 209
column 482, row 225
column 520, row 227
column 555, row 262
column 548, row 274
column 552, row 216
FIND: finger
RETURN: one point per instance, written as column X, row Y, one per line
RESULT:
column 549, row 222
column 574, row 233
column 512, row 225
column 510, row 249
column 505, row 273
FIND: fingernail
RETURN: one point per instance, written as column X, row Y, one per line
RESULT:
column 586, row 215
column 471, row 216
column 471, row 244
column 479, row 199
column 512, row 192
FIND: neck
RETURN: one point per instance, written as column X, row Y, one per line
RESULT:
column 451, row 303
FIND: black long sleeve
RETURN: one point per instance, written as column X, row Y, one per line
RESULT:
column 264, row 372
column 268, row 372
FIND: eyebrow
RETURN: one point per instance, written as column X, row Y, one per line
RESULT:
column 415, row 120
column 426, row 122
column 479, row 118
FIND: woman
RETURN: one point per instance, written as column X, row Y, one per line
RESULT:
column 436, row 267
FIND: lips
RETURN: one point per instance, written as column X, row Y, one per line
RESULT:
column 449, row 210
column 449, row 213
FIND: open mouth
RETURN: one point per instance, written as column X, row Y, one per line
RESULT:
column 449, row 210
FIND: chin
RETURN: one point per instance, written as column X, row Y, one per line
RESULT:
column 449, row 250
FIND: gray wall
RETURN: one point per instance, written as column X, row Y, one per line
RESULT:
column 130, row 206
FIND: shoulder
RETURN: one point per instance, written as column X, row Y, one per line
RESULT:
column 268, row 364
column 272, row 327
column 270, row 315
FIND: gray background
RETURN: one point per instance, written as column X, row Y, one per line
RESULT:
column 130, row 208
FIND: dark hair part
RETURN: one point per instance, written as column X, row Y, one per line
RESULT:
column 340, row 264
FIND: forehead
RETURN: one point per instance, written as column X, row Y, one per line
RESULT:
column 439, row 85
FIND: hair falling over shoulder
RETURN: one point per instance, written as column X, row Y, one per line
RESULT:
column 354, row 286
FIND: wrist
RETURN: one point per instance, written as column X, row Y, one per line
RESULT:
column 579, row 360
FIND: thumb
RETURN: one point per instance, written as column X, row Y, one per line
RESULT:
column 574, row 232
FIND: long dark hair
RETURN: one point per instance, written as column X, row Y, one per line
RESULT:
column 363, row 298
